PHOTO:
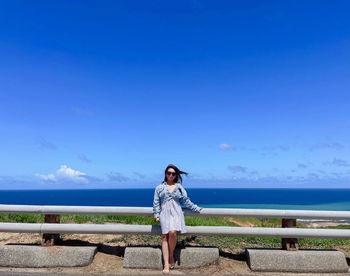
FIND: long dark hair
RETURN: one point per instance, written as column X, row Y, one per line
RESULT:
column 178, row 177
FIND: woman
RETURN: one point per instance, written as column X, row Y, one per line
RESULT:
column 166, row 208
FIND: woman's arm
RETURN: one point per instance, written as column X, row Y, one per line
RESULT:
column 156, row 204
column 185, row 200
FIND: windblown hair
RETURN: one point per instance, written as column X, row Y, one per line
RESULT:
column 178, row 177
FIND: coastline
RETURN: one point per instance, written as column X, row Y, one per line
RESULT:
column 283, row 199
column 335, row 206
column 323, row 223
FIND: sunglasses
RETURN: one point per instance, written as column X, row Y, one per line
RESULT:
column 171, row 173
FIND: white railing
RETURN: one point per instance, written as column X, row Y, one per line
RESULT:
column 155, row 229
column 147, row 211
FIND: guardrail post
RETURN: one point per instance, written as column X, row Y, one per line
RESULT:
column 290, row 244
column 50, row 239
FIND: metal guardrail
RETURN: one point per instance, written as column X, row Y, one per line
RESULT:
column 287, row 234
column 147, row 211
column 155, row 230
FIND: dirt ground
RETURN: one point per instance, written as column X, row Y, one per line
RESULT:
column 109, row 258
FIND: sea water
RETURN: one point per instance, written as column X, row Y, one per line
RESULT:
column 288, row 199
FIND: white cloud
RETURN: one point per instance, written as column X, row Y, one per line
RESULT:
column 68, row 173
column 48, row 177
column 65, row 174
column 226, row 147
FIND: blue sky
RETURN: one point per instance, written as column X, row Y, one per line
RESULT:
column 105, row 94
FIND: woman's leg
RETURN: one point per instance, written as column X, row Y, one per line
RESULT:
column 172, row 245
column 165, row 251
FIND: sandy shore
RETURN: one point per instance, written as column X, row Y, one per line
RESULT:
column 318, row 224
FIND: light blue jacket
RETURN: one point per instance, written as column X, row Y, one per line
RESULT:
column 179, row 194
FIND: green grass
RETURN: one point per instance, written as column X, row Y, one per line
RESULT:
column 190, row 221
column 23, row 218
column 208, row 221
column 238, row 243
column 323, row 243
column 106, row 218
column 339, row 227
column 227, row 243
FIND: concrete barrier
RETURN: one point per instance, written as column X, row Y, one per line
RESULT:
column 311, row 261
column 189, row 257
column 142, row 257
column 52, row 256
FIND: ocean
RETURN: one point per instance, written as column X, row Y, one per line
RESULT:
column 288, row 199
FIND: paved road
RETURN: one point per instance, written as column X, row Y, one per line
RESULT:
column 59, row 274
column 3, row 273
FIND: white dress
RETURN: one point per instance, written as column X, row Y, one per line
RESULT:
column 172, row 217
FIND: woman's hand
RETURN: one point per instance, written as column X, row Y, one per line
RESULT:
column 156, row 219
